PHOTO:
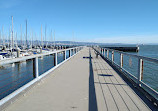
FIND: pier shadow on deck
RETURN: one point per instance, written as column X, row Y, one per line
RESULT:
column 108, row 75
column 108, row 83
column 92, row 93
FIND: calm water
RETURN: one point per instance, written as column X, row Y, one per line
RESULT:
column 13, row 76
column 149, row 51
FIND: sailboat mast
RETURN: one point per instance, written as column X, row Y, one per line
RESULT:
column 54, row 38
column 16, row 40
column 26, row 34
column 12, row 38
column 32, row 38
column 51, row 37
column 3, row 35
column 73, row 41
column 41, row 37
column 21, row 34
column 9, row 39
column 0, row 37
column 45, row 34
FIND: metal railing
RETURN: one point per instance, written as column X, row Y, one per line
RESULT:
column 15, row 77
column 142, row 70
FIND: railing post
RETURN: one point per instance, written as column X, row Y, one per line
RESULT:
column 107, row 53
column 70, row 53
column 55, row 59
column 77, row 49
column 140, row 71
column 121, row 60
column 35, row 67
column 65, row 54
column 112, row 58
column 104, row 52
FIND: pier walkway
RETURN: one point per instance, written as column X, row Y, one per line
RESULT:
column 80, row 84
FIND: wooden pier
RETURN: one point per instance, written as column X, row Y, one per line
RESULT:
column 83, row 83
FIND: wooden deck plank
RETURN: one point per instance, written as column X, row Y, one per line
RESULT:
column 114, row 94
column 100, row 96
column 126, row 89
column 108, row 97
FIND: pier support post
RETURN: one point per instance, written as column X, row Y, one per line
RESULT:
column 112, row 58
column 18, row 53
column 4, row 48
column 107, row 53
column 140, row 71
column 40, row 49
column 35, row 67
column 121, row 60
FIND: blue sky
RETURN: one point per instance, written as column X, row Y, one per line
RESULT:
column 107, row 21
